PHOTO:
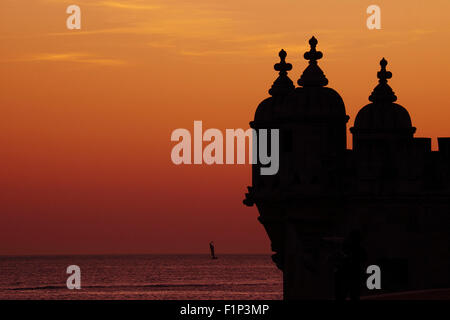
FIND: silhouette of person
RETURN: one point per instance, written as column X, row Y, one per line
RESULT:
column 349, row 268
column 211, row 248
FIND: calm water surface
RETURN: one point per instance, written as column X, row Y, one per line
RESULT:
column 142, row 277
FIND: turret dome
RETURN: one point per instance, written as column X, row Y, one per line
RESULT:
column 383, row 116
column 312, row 100
column 281, row 88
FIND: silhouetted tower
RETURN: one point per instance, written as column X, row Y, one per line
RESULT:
column 299, row 205
column 387, row 156
column 383, row 139
column 392, row 189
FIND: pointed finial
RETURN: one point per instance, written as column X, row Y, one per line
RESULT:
column 282, row 66
column 383, row 92
column 313, row 76
column 312, row 54
column 283, row 84
column 384, row 75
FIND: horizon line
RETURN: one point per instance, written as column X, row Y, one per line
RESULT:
column 125, row 254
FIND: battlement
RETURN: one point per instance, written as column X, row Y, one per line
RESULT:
column 444, row 147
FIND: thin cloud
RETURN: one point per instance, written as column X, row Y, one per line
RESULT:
column 73, row 57
column 128, row 5
column 423, row 31
column 201, row 53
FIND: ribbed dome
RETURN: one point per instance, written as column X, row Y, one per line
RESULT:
column 265, row 110
column 313, row 99
column 280, row 90
column 383, row 115
column 303, row 103
column 310, row 101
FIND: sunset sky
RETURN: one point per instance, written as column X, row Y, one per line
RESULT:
column 86, row 115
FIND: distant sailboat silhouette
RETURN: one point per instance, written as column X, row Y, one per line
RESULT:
column 211, row 248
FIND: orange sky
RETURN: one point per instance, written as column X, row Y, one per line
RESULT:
column 86, row 116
